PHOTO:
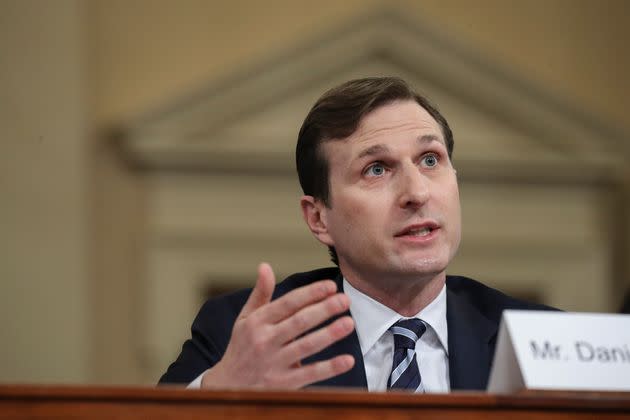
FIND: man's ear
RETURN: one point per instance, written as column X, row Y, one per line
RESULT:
column 315, row 215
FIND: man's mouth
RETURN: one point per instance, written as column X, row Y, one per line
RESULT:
column 418, row 230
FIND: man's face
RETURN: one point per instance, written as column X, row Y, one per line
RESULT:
column 394, row 202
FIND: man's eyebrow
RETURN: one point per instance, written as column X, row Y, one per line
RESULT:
column 373, row 150
column 428, row 138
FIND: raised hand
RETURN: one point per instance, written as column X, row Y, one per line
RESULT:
column 266, row 345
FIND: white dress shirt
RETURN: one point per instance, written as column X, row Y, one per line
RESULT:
column 372, row 321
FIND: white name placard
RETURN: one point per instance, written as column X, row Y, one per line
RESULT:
column 561, row 351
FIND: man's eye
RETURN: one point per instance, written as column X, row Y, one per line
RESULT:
column 429, row 161
column 376, row 169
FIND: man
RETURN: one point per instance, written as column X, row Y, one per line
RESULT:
column 374, row 162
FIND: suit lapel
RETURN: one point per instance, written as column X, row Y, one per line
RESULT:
column 471, row 339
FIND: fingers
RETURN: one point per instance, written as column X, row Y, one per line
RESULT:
column 310, row 317
column 316, row 341
column 262, row 292
column 263, row 350
column 297, row 299
column 319, row 371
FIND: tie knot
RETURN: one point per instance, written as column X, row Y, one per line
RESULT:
column 407, row 332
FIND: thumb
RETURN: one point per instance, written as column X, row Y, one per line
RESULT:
column 261, row 294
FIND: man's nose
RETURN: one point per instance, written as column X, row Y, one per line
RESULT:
column 413, row 187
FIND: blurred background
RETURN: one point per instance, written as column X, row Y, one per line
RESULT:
column 146, row 157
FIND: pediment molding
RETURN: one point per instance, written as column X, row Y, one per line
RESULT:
column 194, row 134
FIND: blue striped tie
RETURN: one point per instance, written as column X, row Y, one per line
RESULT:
column 405, row 373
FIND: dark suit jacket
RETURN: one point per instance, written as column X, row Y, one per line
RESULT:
column 473, row 312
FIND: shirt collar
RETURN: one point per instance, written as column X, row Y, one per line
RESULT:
column 372, row 318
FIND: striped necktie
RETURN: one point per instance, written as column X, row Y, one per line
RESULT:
column 405, row 373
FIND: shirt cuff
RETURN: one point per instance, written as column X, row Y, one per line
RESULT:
column 196, row 384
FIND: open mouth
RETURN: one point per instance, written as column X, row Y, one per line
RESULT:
column 418, row 231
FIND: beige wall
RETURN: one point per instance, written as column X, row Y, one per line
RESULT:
column 69, row 284
column 43, row 184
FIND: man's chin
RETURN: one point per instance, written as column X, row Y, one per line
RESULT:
column 412, row 267
column 424, row 268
